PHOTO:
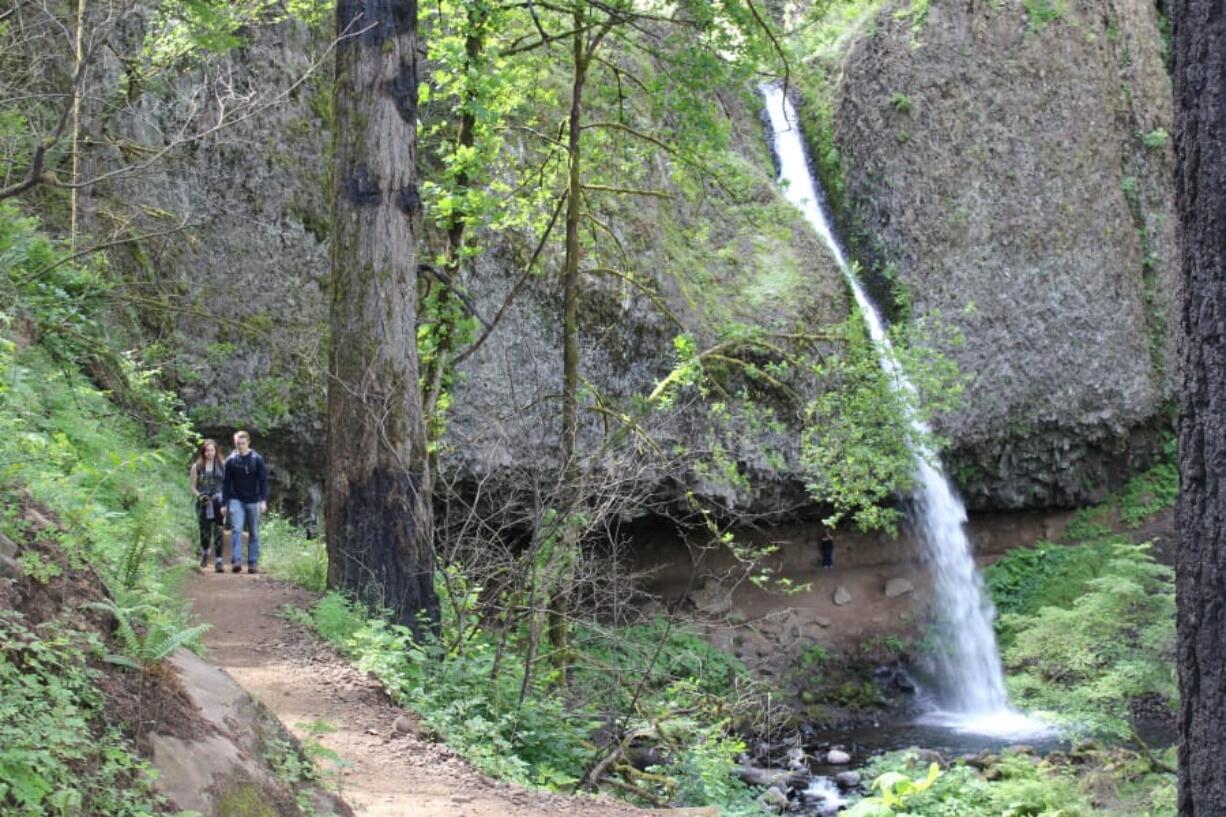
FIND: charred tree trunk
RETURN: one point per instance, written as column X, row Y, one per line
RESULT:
column 1200, row 141
column 380, row 525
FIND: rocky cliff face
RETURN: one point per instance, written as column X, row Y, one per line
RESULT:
column 1008, row 171
column 247, row 291
column 1008, row 165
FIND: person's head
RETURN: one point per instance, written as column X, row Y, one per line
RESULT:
column 209, row 451
column 242, row 441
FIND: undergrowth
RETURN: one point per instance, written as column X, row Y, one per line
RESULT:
column 58, row 755
column 652, row 679
column 1017, row 784
column 86, row 433
column 1087, row 629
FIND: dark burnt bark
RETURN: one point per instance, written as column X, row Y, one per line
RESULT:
column 1200, row 141
column 380, row 525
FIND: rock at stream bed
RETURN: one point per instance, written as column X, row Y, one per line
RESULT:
column 842, row 596
column 898, row 587
column 774, row 798
column 837, row 757
column 847, row 780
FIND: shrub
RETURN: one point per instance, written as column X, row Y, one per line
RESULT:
column 1084, row 664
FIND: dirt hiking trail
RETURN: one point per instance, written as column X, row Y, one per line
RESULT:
column 302, row 681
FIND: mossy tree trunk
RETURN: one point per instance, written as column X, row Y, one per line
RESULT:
column 1200, row 569
column 380, row 526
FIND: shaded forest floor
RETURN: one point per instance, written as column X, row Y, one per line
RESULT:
column 386, row 766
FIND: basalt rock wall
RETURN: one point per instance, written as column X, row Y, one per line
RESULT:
column 1008, row 168
column 1011, row 176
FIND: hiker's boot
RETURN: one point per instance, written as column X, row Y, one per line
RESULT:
column 236, row 568
column 204, row 559
column 252, row 569
column 217, row 568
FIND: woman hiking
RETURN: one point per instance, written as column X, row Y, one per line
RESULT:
column 208, row 474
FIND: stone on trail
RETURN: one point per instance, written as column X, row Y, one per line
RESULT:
column 842, row 596
column 403, row 725
column 897, row 587
column 837, row 757
column 822, row 621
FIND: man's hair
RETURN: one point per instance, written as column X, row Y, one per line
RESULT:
column 243, row 434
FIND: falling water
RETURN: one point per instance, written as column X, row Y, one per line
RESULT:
column 973, row 689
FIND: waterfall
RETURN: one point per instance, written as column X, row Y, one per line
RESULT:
column 972, row 689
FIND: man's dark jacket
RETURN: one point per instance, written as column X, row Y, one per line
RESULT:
column 246, row 478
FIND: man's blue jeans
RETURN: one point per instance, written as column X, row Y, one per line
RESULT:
column 244, row 513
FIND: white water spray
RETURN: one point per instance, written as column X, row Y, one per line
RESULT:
column 973, row 688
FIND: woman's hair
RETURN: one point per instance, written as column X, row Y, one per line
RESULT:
column 218, row 454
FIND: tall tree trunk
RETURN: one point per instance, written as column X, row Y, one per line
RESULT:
column 558, row 628
column 1200, row 570
column 380, row 525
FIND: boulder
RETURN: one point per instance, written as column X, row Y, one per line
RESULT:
column 842, row 596
column 847, row 780
column 898, row 587
column 763, row 778
column 712, row 598
column 838, row 757
column 774, row 798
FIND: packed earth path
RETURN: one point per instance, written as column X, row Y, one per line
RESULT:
column 389, row 769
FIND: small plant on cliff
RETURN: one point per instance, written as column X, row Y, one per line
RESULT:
column 1156, row 139
column 1041, row 12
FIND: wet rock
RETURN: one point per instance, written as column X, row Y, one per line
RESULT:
column 847, row 780
column 842, row 596
column 898, row 587
column 837, row 757
column 774, row 798
column 796, row 758
column 926, row 757
column 984, row 760
column 713, row 598
column 764, row 778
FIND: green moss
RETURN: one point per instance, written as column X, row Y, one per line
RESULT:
column 245, row 800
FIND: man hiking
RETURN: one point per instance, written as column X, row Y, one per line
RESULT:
column 245, row 497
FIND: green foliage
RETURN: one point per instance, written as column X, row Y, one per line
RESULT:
column 468, row 690
column 1026, row 580
column 1022, row 788
column 147, row 638
column 1041, row 12
column 1083, row 665
column 288, row 553
column 915, row 15
column 57, row 754
column 894, row 791
column 1156, row 139
column 901, row 103
column 1144, row 495
column 452, row 692
column 860, row 437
